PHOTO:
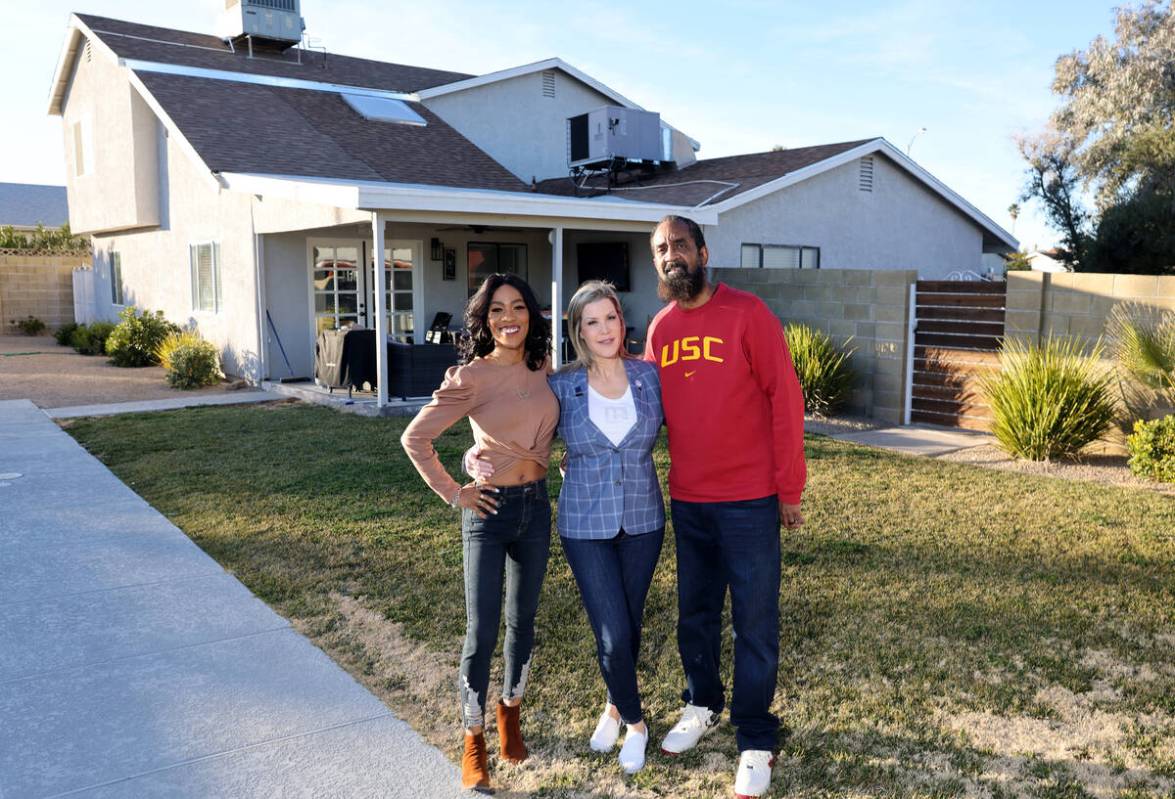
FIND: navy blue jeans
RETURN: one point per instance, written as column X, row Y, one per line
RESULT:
column 735, row 545
column 613, row 577
column 510, row 547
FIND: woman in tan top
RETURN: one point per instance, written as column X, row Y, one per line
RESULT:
column 501, row 386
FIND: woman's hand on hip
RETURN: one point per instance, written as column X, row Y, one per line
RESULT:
column 480, row 499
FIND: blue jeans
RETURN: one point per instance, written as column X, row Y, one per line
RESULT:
column 512, row 547
column 613, row 577
column 735, row 545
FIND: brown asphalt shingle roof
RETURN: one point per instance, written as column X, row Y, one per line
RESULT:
column 164, row 45
column 243, row 127
column 747, row 171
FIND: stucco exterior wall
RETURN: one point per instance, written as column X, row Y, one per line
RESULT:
column 523, row 130
column 156, row 270
column 899, row 225
column 120, row 186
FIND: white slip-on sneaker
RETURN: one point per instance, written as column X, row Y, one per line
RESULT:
column 607, row 731
column 632, row 754
column 695, row 722
column 753, row 777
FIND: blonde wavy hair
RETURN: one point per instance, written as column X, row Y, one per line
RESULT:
column 585, row 295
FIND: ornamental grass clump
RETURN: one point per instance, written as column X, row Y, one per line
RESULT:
column 1050, row 400
column 1152, row 449
column 189, row 361
column 1142, row 341
column 825, row 374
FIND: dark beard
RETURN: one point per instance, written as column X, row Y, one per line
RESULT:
column 682, row 286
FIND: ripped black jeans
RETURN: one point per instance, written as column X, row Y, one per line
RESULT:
column 511, row 546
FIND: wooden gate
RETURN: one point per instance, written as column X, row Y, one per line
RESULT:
column 959, row 327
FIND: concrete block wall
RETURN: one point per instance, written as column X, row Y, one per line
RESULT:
column 37, row 285
column 1077, row 303
column 869, row 306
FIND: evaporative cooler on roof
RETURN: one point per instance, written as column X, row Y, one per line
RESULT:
column 276, row 21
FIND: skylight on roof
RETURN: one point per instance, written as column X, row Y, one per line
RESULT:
column 383, row 109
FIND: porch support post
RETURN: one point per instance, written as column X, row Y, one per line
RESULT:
column 381, row 319
column 556, row 239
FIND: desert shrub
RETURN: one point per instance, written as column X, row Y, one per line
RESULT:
column 30, row 325
column 169, row 344
column 91, row 339
column 826, row 376
column 134, row 341
column 1142, row 341
column 1152, row 449
column 64, row 333
column 1049, row 400
column 192, row 363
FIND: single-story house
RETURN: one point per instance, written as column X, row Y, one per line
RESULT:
column 24, row 206
column 242, row 185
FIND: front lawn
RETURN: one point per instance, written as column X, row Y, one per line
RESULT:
column 948, row 630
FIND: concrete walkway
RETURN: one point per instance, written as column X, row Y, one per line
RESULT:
column 916, row 439
column 132, row 665
column 169, row 404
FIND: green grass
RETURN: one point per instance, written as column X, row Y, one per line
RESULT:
column 947, row 630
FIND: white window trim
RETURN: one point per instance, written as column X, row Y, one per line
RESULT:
column 217, row 299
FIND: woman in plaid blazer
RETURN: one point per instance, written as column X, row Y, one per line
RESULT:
column 611, row 514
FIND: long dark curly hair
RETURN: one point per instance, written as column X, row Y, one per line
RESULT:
column 479, row 341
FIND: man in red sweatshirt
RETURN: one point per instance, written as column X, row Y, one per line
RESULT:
column 736, row 445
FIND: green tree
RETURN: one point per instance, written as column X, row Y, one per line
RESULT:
column 1112, row 138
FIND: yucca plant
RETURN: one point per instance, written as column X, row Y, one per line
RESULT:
column 825, row 374
column 1142, row 340
column 1050, row 400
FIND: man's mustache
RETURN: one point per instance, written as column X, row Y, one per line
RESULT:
column 671, row 265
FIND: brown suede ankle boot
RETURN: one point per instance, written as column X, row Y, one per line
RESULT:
column 475, row 773
column 510, row 733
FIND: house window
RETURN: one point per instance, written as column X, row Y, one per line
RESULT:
column 752, row 256
column 485, row 258
column 116, row 289
column 205, row 262
column 780, row 256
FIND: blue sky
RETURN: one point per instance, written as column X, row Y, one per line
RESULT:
column 738, row 75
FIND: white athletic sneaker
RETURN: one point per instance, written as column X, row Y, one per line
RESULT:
column 753, row 777
column 695, row 722
column 607, row 731
column 632, row 754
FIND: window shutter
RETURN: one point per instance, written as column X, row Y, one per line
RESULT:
column 79, row 153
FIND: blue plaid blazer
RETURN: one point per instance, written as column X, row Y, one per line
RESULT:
column 608, row 486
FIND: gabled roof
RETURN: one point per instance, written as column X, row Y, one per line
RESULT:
column 708, row 180
column 136, row 42
column 732, row 181
column 473, row 82
column 257, row 129
column 29, row 205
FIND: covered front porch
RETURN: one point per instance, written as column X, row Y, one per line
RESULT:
column 325, row 278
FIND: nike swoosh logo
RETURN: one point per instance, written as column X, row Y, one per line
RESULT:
column 691, row 374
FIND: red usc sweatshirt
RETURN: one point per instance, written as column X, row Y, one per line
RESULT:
column 732, row 401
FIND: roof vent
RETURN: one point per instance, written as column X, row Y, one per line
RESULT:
column 865, row 179
column 277, row 22
column 549, row 83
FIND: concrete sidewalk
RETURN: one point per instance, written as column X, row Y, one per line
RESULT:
column 169, row 404
column 132, row 665
column 916, row 439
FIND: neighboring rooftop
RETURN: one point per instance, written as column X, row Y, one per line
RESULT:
column 29, row 205
column 706, row 181
column 204, row 51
